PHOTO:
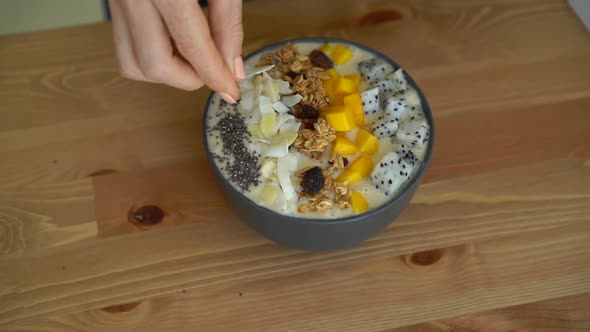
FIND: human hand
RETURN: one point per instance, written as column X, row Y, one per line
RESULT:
column 171, row 42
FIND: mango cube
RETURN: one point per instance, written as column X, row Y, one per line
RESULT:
column 355, row 77
column 327, row 48
column 363, row 166
column 340, row 117
column 333, row 74
column 355, row 103
column 338, row 100
column 343, row 86
column 343, row 146
column 366, row 142
column 358, row 202
column 341, row 54
column 349, row 176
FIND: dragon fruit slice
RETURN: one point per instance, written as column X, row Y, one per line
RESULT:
column 390, row 173
column 385, row 126
column 374, row 70
column 414, row 133
column 370, row 99
column 386, row 87
column 396, row 106
column 407, row 155
column 399, row 80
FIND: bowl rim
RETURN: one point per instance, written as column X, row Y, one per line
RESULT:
column 352, row 218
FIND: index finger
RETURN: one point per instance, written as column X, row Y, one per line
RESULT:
column 189, row 29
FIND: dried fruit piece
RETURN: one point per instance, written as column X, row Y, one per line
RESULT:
column 312, row 181
column 306, row 112
column 308, row 123
column 320, row 59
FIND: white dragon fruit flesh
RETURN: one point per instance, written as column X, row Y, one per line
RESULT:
column 370, row 99
column 385, row 126
column 399, row 80
column 414, row 133
column 396, row 106
column 386, row 86
column 406, row 154
column 374, row 70
column 391, row 172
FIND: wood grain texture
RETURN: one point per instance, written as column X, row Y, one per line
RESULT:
column 563, row 314
column 364, row 295
column 505, row 202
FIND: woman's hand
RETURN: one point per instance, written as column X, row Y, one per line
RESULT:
column 171, row 42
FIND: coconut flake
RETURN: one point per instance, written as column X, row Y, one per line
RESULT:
column 259, row 70
column 265, row 105
column 285, row 168
column 246, row 101
column 290, row 127
column 268, row 167
column 277, row 150
column 283, row 118
column 269, row 124
column 284, row 87
column 280, row 107
column 292, row 100
column 253, row 117
column 269, row 88
column 246, row 85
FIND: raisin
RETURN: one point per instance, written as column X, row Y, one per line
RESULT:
column 306, row 112
column 345, row 160
column 292, row 74
column 313, row 181
column 308, row 123
column 320, row 59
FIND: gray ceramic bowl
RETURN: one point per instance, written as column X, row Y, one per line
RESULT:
column 319, row 234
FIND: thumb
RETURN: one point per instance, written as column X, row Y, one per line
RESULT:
column 225, row 21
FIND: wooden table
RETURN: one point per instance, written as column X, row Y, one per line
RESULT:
column 496, row 239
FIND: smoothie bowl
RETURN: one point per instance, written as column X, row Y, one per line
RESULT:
column 326, row 146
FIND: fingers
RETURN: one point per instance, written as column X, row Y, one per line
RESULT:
column 123, row 45
column 225, row 20
column 189, row 29
column 153, row 49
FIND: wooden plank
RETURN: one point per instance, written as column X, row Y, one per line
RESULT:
column 510, row 76
column 216, row 251
column 367, row 295
column 556, row 315
column 36, row 170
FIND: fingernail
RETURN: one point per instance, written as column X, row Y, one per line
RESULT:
column 239, row 68
column 227, row 97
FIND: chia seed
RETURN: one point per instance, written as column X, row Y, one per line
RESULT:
column 244, row 170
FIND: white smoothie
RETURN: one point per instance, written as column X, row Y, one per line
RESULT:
column 239, row 147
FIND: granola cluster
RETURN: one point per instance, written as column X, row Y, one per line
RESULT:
column 314, row 142
column 298, row 69
column 333, row 193
column 311, row 87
